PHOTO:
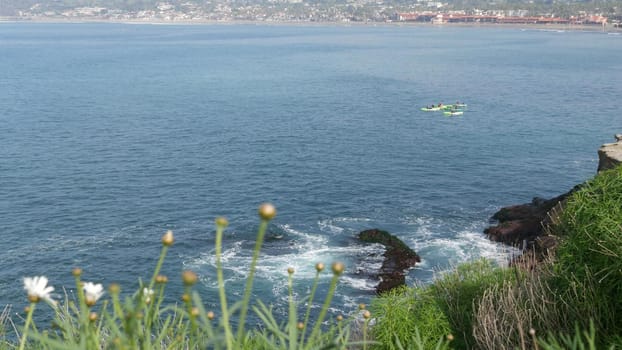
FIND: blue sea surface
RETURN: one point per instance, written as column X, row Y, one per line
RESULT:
column 112, row 134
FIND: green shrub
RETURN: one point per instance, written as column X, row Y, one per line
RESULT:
column 532, row 302
column 459, row 292
column 591, row 249
column 404, row 312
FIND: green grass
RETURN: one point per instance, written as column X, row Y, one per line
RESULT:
column 459, row 291
column 403, row 312
column 592, row 225
column 591, row 249
column 447, row 307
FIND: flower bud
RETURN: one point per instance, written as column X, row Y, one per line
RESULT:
column 267, row 211
column 338, row 268
column 114, row 288
column 290, row 270
column 76, row 272
column 366, row 314
column 300, row 326
column 222, row 222
column 189, row 277
column 168, row 238
column 93, row 316
column 339, row 318
column 194, row 311
column 210, row 315
column 185, row 297
column 161, row 279
column 362, row 306
column 319, row 267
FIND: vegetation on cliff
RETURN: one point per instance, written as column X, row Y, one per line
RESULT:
column 571, row 301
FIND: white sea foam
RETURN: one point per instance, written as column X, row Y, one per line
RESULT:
column 443, row 253
column 435, row 240
column 359, row 283
column 326, row 225
column 349, row 219
column 303, row 250
column 477, row 245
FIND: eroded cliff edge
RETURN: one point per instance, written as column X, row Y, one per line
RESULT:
column 524, row 225
column 610, row 154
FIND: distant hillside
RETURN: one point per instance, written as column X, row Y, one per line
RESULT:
column 561, row 8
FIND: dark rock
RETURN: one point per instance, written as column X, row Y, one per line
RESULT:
column 398, row 257
column 390, row 281
column 514, row 232
column 520, row 225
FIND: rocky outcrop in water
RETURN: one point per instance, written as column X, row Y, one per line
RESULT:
column 521, row 225
column 398, row 258
column 525, row 225
column 610, row 154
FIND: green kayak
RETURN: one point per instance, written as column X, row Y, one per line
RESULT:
column 453, row 113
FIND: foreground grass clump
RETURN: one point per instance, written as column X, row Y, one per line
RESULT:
column 403, row 314
column 458, row 291
column 591, row 250
column 445, row 308
column 141, row 321
column 509, row 315
column 481, row 306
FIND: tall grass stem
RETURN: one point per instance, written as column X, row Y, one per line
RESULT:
column 221, row 288
column 158, row 266
column 249, row 282
column 324, row 310
column 293, row 318
column 31, row 310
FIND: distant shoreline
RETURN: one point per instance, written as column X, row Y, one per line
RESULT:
column 554, row 27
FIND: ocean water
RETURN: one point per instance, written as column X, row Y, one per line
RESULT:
column 112, row 134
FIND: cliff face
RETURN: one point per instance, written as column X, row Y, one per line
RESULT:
column 610, row 154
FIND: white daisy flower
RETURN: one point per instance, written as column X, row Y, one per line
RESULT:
column 37, row 289
column 92, row 292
